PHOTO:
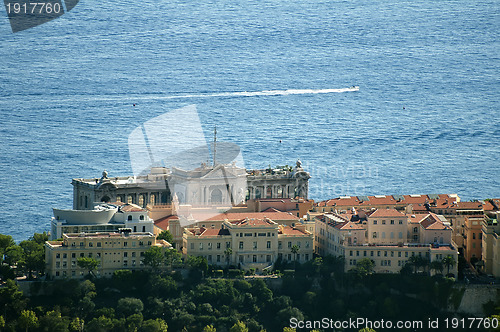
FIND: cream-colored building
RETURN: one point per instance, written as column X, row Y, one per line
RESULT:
column 386, row 236
column 254, row 243
column 176, row 226
column 491, row 245
column 114, row 251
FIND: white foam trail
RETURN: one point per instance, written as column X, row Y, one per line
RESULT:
column 132, row 97
column 254, row 93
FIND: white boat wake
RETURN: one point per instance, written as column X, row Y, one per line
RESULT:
column 254, row 93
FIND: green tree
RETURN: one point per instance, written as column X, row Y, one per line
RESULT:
column 167, row 236
column 154, row 325
column 209, row 328
column 5, row 242
column 13, row 254
column 33, row 259
column 172, row 257
column 76, row 325
column 40, row 238
column 239, row 326
column 52, row 321
column 295, row 249
column 128, row 306
column 28, row 319
column 437, row 266
column 449, row 262
column 88, row 263
column 154, row 257
column 228, row 252
column 364, row 267
column 2, row 322
column 100, row 324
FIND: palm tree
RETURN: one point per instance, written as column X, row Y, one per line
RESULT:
column 228, row 252
column 437, row 266
column 449, row 262
column 413, row 260
column 295, row 249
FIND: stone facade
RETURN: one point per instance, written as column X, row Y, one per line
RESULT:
column 254, row 243
column 206, row 185
column 386, row 237
column 114, row 251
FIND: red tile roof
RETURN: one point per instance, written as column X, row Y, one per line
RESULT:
column 131, row 208
column 287, row 230
column 276, row 216
column 164, row 222
column 431, row 221
column 252, row 222
column 213, row 232
column 350, row 226
column 381, row 213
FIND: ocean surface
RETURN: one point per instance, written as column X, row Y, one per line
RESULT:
column 425, row 119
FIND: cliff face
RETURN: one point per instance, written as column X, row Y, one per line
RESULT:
column 475, row 296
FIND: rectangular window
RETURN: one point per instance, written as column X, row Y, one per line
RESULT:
column 374, row 222
column 401, row 222
column 133, row 254
column 125, row 254
column 58, row 255
column 81, row 244
column 289, row 244
column 91, row 244
column 209, row 246
column 218, row 245
column 241, row 245
column 73, row 255
column 192, row 245
column 228, row 244
column 383, row 222
column 392, row 222
column 268, row 244
column 201, row 246
column 255, row 244
column 218, row 258
column 99, row 244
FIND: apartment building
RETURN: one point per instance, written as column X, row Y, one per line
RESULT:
column 114, row 251
column 254, row 243
column 491, row 245
column 386, row 236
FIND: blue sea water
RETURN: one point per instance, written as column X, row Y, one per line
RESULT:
column 426, row 118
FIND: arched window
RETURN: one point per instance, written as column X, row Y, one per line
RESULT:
column 129, row 218
column 279, row 191
column 152, row 199
column 141, row 200
column 141, row 217
column 269, row 192
column 257, row 193
column 129, row 199
column 216, row 196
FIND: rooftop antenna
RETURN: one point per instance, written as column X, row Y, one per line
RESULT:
column 215, row 143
